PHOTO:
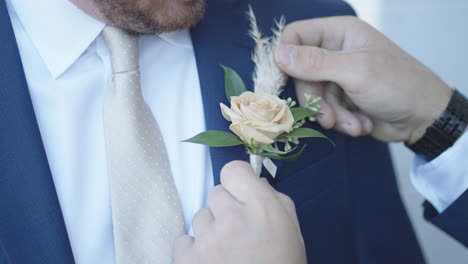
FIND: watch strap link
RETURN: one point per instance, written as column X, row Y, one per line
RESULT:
column 446, row 130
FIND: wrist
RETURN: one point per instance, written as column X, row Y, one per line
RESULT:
column 431, row 113
column 445, row 131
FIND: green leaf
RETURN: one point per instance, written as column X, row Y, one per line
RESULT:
column 233, row 83
column 296, row 156
column 303, row 132
column 270, row 155
column 291, row 158
column 270, row 149
column 300, row 113
column 215, row 138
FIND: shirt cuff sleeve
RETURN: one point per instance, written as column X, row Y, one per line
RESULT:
column 443, row 180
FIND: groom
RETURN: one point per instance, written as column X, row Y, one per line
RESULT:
column 70, row 191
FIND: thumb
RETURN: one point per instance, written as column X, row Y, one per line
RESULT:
column 239, row 179
column 315, row 64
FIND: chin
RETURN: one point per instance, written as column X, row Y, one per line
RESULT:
column 180, row 15
column 152, row 16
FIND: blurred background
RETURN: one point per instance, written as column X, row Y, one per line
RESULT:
column 435, row 32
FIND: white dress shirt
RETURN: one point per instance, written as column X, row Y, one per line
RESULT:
column 67, row 68
column 443, row 180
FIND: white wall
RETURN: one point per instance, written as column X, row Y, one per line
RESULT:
column 435, row 32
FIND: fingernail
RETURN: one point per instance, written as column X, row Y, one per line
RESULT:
column 346, row 128
column 284, row 54
column 367, row 126
column 366, row 123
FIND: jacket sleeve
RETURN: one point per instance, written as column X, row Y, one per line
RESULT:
column 453, row 220
column 443, row 180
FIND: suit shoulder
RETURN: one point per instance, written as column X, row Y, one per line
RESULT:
column 300, row 9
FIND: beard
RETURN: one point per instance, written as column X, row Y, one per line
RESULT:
column 151, row 16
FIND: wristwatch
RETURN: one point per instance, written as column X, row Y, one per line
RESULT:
column 443, row 133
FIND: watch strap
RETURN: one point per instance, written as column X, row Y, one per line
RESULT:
column 445, row 131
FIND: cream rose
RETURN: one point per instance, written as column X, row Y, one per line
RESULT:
column 258, row 117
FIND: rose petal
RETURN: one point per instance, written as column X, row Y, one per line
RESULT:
column 288, row 120
column 280, row 114
column 247, row 134
column 272, row 128
column 271, row 135
column 266, row 114
column 227, row 113
column 258, row 117
column 251, row 115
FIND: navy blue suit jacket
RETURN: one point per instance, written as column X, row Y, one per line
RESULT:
column 347, row 198
column 454, row 220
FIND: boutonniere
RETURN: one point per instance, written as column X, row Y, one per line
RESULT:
column 267, row 126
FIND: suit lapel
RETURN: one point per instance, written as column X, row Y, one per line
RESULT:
column 221, row 38
column 32, row 229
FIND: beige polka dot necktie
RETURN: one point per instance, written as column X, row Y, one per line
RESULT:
column 146, row 210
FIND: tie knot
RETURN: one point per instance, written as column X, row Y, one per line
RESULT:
column 123, row 48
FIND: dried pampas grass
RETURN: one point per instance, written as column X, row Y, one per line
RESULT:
column 267, row 77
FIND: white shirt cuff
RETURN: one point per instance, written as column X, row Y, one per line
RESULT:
column 443, row 180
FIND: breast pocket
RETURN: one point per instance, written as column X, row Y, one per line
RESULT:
column 321, row 168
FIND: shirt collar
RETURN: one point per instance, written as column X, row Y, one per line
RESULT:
column 61, row 32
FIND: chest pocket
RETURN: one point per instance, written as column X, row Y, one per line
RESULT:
column 321, row 168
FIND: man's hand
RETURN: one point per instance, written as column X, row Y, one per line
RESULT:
column 247, row 222
column 369, row 85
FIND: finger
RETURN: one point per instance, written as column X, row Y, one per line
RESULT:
column 366, row 122
column 182, row 250
column 220, row 200
column 346, row 122
column 328, row 33
column 267, row 186
column 349, row 104
column 202, row 222
column 314, row 64
column 240, row 181
column 288, row 203
column 326, row 118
